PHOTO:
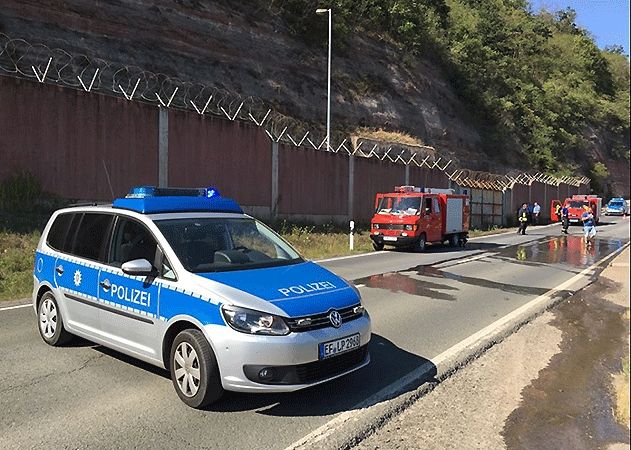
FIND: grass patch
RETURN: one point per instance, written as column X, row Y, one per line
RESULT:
column 17, row 252
column 388, row 136
column 323, row 241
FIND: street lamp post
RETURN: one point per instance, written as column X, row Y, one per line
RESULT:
column 328, row 89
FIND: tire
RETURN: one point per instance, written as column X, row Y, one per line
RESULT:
column 462, row 240
column 377, row 247
column 194, row 370
column 454, row 240
column 49, row 322
column 421, row 244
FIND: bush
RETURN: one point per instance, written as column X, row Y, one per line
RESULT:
column 19, row 192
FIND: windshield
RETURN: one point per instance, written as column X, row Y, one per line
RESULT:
column 220, row 244
column 577, row 204
column 617, row 204
column 399, row 205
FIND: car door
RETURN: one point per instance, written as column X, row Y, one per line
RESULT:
column 553, row 211
column 77, row 269
column 130, row 311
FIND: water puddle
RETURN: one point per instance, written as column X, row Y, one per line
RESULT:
column 570, row 404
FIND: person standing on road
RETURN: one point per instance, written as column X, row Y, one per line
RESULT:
column 536, row 209
column 522, row 217
column 565, row 219
column 589, row 224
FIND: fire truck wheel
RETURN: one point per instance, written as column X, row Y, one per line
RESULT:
column 453, row 240
column 378, row 247
column 420, row 244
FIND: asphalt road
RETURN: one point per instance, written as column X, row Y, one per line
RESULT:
column 87, row 396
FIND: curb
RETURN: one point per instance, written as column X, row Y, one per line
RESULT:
column 351, row 427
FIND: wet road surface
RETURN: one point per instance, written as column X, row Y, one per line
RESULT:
column 421, row 304
column 570, row 404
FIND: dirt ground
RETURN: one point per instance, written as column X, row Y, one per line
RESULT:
column 549, row 385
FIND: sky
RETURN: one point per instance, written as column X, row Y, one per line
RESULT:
column 606, row 20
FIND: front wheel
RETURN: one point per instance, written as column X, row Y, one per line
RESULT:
column 377, row 246
column 421, row 244
column 194, row 370
column 50, row 325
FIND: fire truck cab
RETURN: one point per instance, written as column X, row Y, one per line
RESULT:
column 412, row 217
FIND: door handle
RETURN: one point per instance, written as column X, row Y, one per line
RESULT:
column 105, row 284
column 59, row 269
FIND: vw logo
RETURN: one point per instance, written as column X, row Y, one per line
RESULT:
column 335, row 318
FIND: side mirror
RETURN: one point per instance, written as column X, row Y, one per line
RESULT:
column 137, row 267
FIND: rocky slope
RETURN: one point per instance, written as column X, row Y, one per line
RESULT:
column 247, row 49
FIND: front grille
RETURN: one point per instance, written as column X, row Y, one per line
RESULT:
column 391, row 226
column 318, row 321
column 310, row 372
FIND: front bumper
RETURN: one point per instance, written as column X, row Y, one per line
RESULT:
column 402, row 241
column 296, row 353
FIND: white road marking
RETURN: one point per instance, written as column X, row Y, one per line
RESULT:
column 338, row 258
column 7, row 308
column 396, row 387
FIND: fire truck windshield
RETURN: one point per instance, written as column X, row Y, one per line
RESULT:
column 399, row 205
column 577, row 204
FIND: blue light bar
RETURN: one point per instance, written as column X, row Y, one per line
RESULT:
column 153, row 200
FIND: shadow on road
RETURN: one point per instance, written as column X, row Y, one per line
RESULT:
column 388, row 364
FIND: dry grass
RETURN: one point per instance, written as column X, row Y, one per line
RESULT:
column 388, row 136
column 621, row 388
column 313, row 244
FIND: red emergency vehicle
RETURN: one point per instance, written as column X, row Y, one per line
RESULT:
column 412, row 217
column 575, row 206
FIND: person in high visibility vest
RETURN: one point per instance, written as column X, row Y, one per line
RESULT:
column 565, row 219
column 522, row 218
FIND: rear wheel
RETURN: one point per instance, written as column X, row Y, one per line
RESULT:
column 50, row 325
column 454, row 240
column 194, row 370
column 377, row 246
column 421, row 244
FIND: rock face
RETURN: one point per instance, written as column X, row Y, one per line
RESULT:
column 249, row 51
column 243, row 48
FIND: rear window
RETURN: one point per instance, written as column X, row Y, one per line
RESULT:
column 92, row 236
column 59, row 236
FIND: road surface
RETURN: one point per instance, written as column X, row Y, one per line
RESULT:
column 87, row 396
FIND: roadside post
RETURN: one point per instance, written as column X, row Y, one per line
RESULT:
column 351, row 235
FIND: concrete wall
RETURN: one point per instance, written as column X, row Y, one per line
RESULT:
column 233, row 156
column 71, row 140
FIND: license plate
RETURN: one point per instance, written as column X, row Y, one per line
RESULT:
column 389, row 238
column 338, row 346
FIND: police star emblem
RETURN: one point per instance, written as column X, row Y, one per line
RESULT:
column 77, row 278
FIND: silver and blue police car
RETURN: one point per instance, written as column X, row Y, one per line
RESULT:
column 183, row 279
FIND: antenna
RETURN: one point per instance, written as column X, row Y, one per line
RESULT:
column 107, row 174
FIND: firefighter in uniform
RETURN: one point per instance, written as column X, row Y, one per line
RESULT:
column 522, row 217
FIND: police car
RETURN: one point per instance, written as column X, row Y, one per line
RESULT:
column 183, row 279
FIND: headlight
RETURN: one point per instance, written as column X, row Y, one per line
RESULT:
column 254, row 322
column 408, row 227
column 375, row 226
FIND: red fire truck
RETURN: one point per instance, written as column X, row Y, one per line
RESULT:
column 412, row 217
column 575, row 206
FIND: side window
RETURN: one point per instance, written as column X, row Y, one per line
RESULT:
column 436, row 206
column 428, row 205
column 59, row 232
column 92, row 236
column 132, row 240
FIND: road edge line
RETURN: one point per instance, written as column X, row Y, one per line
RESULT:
column 7, row 308
column 445, row 364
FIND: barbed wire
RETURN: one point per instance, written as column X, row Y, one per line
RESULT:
column 41, row 63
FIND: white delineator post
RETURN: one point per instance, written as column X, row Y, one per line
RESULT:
column 351, row 236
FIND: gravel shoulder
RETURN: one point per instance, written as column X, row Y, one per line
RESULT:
column 548, row 385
